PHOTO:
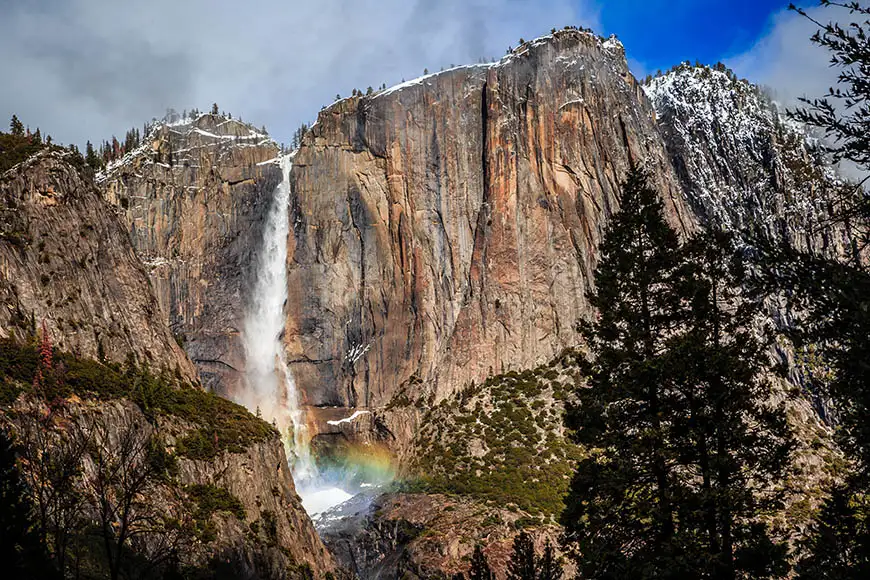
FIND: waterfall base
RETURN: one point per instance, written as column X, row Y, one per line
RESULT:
column 317, row 501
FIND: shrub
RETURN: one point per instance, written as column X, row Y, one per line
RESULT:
column 211, row 499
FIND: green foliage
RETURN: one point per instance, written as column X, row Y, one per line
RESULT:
column 223, row 425
column 211, row 499
column 16, row 148
column 685, row 445
column 502, row 440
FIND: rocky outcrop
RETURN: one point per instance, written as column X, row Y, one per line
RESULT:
column 261, row 479
column 425, row 536
column 260, row 532
column 446, row 229
column 744, row 165
column 193, row 197
column 65, row 260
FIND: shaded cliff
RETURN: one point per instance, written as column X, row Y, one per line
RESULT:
column 192, row 197
column 65, row 259
column 446, row 229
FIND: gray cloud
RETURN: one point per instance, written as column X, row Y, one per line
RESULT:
column 87, row 69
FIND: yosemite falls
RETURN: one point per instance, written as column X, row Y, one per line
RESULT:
column 270, row 389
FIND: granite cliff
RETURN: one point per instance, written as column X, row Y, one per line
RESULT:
column 446, row 229
column 192, row 197
column 65, row 260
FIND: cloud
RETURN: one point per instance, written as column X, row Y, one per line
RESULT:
column 789, row 66
column 785, row 61
column 87, row 69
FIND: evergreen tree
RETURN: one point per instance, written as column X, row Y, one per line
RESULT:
column 480, row 569
column 843, row 114
column 16, row 127
column 522, row 563
column 91, row 157
column 730, row 439
column 214, row 109
column 549, row 567
column 685, row 445
column 834, row 298
column 837, row 541
column 620, row 507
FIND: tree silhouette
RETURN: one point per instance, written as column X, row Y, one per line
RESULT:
column 480, row 569
column 21, row 550
column 522, row 563
column 549, row 567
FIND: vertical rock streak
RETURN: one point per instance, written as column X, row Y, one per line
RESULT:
column 270, row 388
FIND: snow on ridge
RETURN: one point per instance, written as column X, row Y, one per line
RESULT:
column 185, row 126
column 608, row 44
column 739, row 149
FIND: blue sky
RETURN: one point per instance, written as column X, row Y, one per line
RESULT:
column 661, row 33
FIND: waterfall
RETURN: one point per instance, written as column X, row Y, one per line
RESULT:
column 271, row 391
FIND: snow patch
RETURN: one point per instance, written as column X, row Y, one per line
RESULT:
column 348, row 419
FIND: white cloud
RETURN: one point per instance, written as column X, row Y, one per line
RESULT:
column 786, row 62
column 85, row 69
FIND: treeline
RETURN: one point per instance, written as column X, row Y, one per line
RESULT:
column 20, row 143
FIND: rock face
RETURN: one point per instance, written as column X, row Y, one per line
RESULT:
column 446, row 229
column 743, row 164
column 193, row 197
column 424, row 536
column 269, row 536
column 65, row 259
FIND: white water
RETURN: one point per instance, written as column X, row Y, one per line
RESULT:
column 317, row 501
column 271, row 390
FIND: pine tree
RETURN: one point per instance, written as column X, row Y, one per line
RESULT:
column 549, row 567
column 91, row 156
column 685, row 442
column 480, row 569
column 843, row 113
column 835, row 297
column 44, row 376
column 214, row 109
column 620, row 508
column 731, row 438
column 522, row 563
column 16, row 127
